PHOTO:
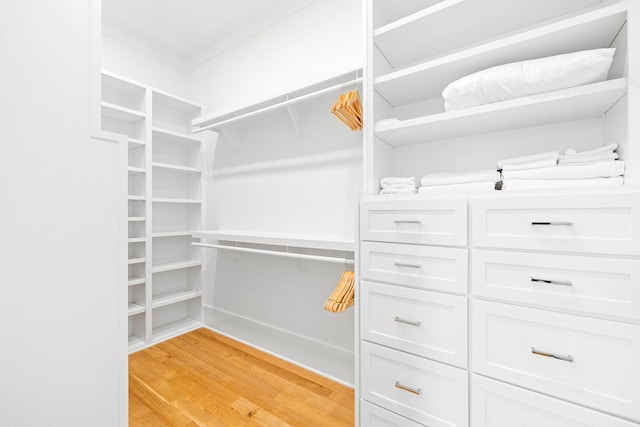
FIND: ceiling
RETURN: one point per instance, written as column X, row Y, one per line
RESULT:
column 190, row 32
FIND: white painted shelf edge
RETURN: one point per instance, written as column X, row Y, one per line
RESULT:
column 132, row 281
column 559, row 106
column 177, row 135
column 335, row 243
column 175, row 265
column 174, row 329
column 135, row 308
column 171, row 200
column 171, row 233
column 177, row 168
column 120, row 113
column 174, row 297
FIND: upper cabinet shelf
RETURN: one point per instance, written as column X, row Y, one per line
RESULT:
column 121, row 114
column 488, row 18
column 426, row 80
column 334, row 243
column 168, row 135
column 554, row 107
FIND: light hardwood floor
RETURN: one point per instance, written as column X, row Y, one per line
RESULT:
column 205, row 379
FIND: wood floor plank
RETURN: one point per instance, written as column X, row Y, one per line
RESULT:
column 204, row 378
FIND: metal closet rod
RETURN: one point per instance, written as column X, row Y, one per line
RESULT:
column 276, row 253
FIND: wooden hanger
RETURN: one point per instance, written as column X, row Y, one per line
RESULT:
column 343, row 295
column 349, row 110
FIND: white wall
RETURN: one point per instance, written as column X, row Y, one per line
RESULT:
column 320, row 41
column 127, row 61
column 59, row 308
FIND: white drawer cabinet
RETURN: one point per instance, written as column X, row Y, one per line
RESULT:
column 430, row 222
column 424, row 267
column 425, row 323
column 422, row 390
column 580, row 223
column 375, row 416
column 496, row 404
column 603, row 286
column 588, row 361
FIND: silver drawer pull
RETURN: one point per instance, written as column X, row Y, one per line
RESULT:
column 407, row 322
column 552, row 223
column 404, row 264
column 552, row 282
column 566, row 358
column 409, row 389
column 407, row 221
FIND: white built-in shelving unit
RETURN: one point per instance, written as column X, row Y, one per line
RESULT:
column 163, row 195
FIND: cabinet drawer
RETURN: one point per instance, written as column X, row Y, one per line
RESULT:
column 425, row 267
column 425, row 323
column 582, row 223
column 595, row 362
column 425, row 391
column 430, row 222
column 496, row 404
column 375, row 416
column 587, row 284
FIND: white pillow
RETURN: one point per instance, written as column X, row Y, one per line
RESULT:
column 528, row 78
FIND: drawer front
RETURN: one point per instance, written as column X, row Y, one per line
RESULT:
column 424, row 267
column 429, row 222
column 427, row 392
column 425, row 323
column 496, row 404
column 594, row 223
column 375, row 416
column 595, row 362
column 586, row 284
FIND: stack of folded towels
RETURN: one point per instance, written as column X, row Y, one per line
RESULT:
column 463, row 182
column 399, row 185
column 593, row 168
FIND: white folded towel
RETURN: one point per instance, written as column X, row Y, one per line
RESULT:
column 605, row 149
column 544, row 163
column 594, row 170
column 533, row 184
column 585, row 160
column 406, row 190
column 470, row 187
column 398, row 180
column 460, row 178
column 527, row 159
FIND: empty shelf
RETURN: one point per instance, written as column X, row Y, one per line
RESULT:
column 172, row 234
column 576, row 103
column 136, row 219
column 136, row 261
column 177, row 168
column 135, row 308
column 121, row 114
column 135, row 343
column 175, row 102
column 174, row 136
column 175, row 328
column 174, row 297
column 133, row 198
column 175, row 265
column 135, row 281
column 134, row 171
column 335, row 243
column 136, row 240
column 170, row 200
column 136, row 143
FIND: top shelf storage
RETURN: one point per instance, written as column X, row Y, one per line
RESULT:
column 488, row 18
column 333, row 243
column 120, row 92
column 426, row 80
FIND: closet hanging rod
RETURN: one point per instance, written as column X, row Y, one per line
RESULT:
column 282, row 104
column 276, row 253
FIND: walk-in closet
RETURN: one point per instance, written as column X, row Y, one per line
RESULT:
column 321, row 213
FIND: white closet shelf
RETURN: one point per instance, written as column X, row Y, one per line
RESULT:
column 216, row 121
column 136, row 219
column 175, row 265
column 576, row 103
column 134, row 309
column 136, row 198
column 121, row 114
column 326, row 360
column 393, row 10
column 174, row 136
column 136, row 261
column 135, row 281
column 121, row 84
column 173, row 329
column 136, row 240
column 177, row 168
column 172, row 200
column 434, row 23
column 135, row 343
column 174, row 102
column 174, row 297
column 171, row 234
column 135, row 170
column 335, row 243
column 136, row 143
column 426, row 80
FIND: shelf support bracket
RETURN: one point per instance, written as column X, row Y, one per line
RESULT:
column 298, row 118
column 230, row 135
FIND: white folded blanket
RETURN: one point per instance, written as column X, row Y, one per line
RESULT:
column 528, row 159
column 545, row 163
column 585, row 160
column 594, row 170
column 406, row 190
column 470, row 187
column 460, row 178
column 605, row 149
column 396, row 181
column 533, row 184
